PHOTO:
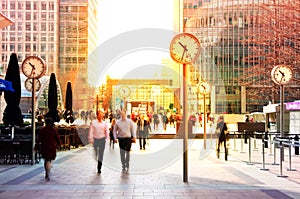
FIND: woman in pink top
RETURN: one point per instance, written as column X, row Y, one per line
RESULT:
column 98, row 133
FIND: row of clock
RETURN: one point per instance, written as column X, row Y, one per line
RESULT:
column 185, row 49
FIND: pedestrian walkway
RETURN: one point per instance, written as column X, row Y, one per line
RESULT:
column 156, row 172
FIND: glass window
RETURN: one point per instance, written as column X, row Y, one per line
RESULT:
column 28, row 26
column 44, row 6
column 27, row 46
column 20, row 48
column 28, row 5
column 35, row 5
column 28, row 16
column 43, row 26
column 27, row 37
column 12, row 5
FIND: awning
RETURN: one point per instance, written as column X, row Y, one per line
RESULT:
column 4, row 21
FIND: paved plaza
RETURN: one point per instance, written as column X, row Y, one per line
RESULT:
column 157, row 172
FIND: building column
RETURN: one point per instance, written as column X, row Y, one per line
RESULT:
column 243, row 99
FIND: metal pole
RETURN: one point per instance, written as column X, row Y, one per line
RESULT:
column 250, row 163
column 33, row 120
column 290, row 156
column 204, row 133
column 263, row 154
column 185, row 136
column 281, row 122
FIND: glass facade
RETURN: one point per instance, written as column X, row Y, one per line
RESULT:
column 75, row 39
column 235, row 50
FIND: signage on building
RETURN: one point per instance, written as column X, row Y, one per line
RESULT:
column 293, row 105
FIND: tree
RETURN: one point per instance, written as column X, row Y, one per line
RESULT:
column 273, row 39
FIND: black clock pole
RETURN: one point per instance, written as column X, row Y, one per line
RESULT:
column 33, row 120
column 185, row 135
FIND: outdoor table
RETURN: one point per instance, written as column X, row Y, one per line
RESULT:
column 64, row 134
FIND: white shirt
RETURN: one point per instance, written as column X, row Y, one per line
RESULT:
column 124, row 129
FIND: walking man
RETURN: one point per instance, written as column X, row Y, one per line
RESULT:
column 125, row 134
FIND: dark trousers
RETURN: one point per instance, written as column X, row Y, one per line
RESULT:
column 142, row 139
column 125, row 146
column 218, row 149
column 99, row 146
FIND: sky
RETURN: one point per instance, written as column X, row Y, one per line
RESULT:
column 120, row 16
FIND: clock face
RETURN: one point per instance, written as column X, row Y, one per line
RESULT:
column 204, row 88
column 33, row 67
column 124, row 91
column 29, row 84
column 185, row 48
column 282, row 74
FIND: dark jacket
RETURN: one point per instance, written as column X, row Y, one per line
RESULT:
column 49, row 139
column 143, row 133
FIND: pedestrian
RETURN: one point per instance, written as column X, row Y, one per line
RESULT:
column 125, row 134
column 221, row 129
column 48, row 140
column 143, row 129
column 111, row 134
column 98, row 133
column 165, row 121
column 156, row 121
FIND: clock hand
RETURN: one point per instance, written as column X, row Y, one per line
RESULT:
column 32, row 72
column 282, row 73
column 183, row 46
column 32, row 65
column 183, row 54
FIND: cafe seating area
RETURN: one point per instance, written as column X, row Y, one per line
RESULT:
column 16, row 145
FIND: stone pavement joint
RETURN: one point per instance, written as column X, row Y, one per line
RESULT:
column 74, row 176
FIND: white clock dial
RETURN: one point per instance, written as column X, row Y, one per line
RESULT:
column 124, row 91
column 204, row 88
column 29, row 84
column 33, row 67
column 282, row 74
column 185, row 48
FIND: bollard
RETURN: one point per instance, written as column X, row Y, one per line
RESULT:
column 271, row 143
column 242, row 146
column 266, row 139
column 296, row 141
column 234, row 142
column 263, row 153
column 250, row 163
column 254, row 147
column 274, row 146
column 281, row 159
column 245, row 136
column 290, row 156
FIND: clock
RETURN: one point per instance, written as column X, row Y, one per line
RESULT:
column 185, row 48
column 33, row 67
column 203, row 88
column 124, row 91
column 282, row 74
column 29, row 84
